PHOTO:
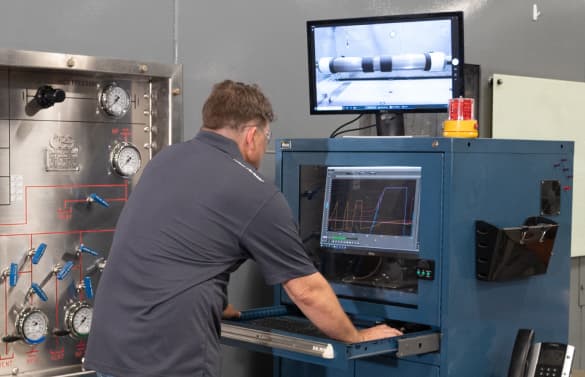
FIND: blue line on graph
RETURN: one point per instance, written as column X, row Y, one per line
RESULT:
column 380, row 202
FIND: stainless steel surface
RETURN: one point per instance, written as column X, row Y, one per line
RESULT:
column 53, row 160
column 4, row 133
column 4, row 162
column 92, row 64
column 269, row 339
column 4, row 190
column 3, row 94
column 418, row 345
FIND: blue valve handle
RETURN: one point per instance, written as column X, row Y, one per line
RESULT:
column 39, row 253
column 62, row 274
column 39, row 291
column 13, row 278
column 87, row 250
column 93, row 197
column 88, row 287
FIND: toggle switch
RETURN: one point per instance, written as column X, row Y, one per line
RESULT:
column 93, row 197
column 96, row 266
column 64, row 271
column 84, row 249
column 39, row 291
column 38, row 254
column 13, row 277
column 88, row 287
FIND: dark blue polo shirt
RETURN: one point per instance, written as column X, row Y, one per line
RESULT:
column 197, row 213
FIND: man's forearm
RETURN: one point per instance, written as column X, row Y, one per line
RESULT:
column 314, row 296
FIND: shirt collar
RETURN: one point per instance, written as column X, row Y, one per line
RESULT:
column 220, row 142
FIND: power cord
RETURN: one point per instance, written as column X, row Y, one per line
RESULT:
column 355, row 129
column 335, row 133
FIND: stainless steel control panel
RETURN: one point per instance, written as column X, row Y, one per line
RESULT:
column 75, row 135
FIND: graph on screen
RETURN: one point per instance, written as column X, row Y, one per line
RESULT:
column 371, row 208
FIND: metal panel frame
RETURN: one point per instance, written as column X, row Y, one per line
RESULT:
column 172, row 73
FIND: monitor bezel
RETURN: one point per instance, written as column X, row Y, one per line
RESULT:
column 456, row 19
column 375, row 243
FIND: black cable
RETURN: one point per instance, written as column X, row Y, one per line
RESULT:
column 355, row 129
column 333, row 134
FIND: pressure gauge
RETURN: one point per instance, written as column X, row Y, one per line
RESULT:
column 125, row 159
column 32, row 325
column 78, row 319
column 114, row 100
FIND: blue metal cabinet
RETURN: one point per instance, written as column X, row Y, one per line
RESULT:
column 457, row 323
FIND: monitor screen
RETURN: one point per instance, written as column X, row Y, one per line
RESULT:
column 371, row 208
column 407, row 63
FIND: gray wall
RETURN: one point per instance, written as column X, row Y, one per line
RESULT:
column 264, row 41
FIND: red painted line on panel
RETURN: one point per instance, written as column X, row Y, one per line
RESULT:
column 125, row 186
column 7, row 358
column 78, row 186
column 67, row 232
column 67, row 201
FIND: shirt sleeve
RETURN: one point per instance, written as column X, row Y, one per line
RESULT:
column 272, row 239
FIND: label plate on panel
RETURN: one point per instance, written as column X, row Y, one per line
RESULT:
column 62, row 154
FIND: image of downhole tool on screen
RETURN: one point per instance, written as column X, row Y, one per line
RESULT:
column 384, row 66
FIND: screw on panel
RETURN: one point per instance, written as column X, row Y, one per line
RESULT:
column 15, row 371
column 146, row 129
column 146, row 113
column 535, row 12
column 435, row 143
column 147, row 146
column 176, row 91
column 71, row 62
column 143, row 68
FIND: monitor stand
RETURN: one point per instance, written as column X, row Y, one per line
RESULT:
column 390, row 124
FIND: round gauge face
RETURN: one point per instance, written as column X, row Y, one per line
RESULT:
column 81, row 321
column 126, row 159
column 33, row 326
column 115, row 100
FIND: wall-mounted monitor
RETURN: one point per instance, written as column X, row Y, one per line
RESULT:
column 399, row 63
column 371, row 208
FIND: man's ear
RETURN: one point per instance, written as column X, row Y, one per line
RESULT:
column 250, row 133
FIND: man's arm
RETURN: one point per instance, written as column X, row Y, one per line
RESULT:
column 314, row 296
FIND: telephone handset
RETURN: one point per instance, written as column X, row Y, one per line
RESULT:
column 539, row 359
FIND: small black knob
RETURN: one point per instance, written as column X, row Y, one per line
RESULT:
column 47, row 96
column 11, row 338
column 60, row 332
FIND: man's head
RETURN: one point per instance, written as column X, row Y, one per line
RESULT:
column 242, row 113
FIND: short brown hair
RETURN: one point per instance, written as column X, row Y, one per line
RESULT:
column 232, row 103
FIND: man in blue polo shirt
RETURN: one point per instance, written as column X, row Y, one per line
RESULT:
column 199, row 211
